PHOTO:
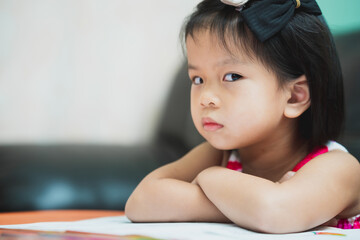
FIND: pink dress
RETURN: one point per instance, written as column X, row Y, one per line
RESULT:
column 348, row 223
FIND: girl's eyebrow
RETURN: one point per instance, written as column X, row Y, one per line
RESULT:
column 191, row 67
column 221, row 63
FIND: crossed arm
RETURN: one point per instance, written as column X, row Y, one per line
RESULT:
column 168, row 194
column 195, row 188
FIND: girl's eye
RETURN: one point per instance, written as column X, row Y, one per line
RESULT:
column 231, row 77
column 197, row 80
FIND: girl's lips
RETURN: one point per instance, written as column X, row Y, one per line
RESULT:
column 211, row 125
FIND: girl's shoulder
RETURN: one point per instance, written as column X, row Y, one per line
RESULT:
column 330, row 150
column 328, row 147
column 335, row 160
column 335, row 153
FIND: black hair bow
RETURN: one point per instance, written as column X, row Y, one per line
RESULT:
column 265, row 18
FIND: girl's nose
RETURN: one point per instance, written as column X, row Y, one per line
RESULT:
column 209, row 99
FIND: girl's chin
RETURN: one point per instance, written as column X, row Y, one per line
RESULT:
column 221, row 145
column 217, row 140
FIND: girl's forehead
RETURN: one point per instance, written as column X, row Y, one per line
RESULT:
column 210, row 44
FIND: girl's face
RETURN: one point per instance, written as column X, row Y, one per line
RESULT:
column 235, row 101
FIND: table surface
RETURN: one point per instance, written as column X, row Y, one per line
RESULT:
column 54, row 216
column 64, row 215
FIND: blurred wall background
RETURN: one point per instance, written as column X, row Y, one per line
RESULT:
column 93, row 71
column 97, row 71
column 342, row 16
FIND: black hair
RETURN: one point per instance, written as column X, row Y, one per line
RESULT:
column 304, row 46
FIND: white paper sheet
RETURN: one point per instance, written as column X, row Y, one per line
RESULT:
column 177, row 231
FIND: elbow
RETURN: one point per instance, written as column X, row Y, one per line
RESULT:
column 132, row 209
column 129, row 210
column 143, row 203
column 139, row 207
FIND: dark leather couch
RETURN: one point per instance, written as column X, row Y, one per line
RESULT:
column 35, row 177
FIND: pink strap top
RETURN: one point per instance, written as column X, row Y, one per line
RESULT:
column 234, row 163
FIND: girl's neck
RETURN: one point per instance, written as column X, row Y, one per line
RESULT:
column 271, row 160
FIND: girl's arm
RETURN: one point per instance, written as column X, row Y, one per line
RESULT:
column 322, row 189
column 167, row 193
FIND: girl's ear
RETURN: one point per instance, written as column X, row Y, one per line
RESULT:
column 299, row 97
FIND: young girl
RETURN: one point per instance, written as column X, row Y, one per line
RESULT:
column 267, row 96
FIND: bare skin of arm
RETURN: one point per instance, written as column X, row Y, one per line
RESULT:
column 168, row 194
column 325, row 187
